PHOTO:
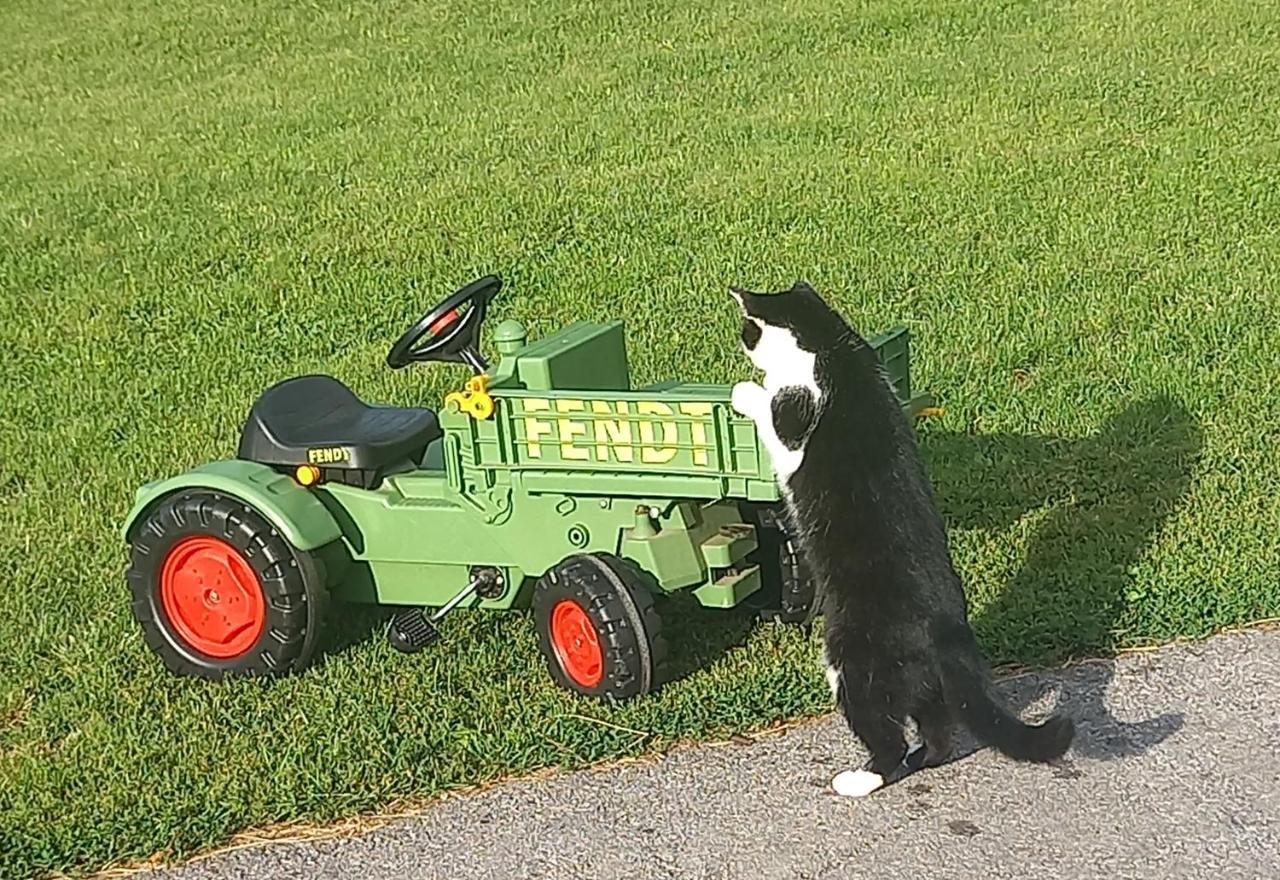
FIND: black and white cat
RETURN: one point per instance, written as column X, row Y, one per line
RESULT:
column 898, row 647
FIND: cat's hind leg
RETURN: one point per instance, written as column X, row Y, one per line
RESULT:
column 889, row 762
column 833, row 675
column 935, row 723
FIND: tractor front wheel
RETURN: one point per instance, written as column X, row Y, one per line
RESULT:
column 218, row 591
column 598, row 629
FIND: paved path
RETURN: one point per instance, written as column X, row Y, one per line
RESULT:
column 1176, row 773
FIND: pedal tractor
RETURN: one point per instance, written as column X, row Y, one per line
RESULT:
column 548, row 481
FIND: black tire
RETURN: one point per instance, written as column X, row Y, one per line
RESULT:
column 294, row 594
column 619, row 608
column 787, row 591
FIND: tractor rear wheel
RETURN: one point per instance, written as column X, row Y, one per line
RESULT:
column 787, row 588
column 220, row 592
column 598, row 629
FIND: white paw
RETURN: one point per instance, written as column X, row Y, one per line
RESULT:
column 744, row 397
column 856, row 783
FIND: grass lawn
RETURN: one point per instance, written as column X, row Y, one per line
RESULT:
column 1075, row 206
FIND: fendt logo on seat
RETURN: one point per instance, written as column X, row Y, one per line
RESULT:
column 608, row 431
column 326, row 454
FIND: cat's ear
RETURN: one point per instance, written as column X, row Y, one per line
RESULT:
column 809, row 300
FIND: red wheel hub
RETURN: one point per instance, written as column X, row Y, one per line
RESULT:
column 212, row 598
column 577, row 647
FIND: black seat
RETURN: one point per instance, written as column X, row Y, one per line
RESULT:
column 318, row 420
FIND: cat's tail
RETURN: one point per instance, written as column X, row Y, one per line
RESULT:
column 969, row 693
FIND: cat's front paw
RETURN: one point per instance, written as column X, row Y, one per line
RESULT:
column 744, row 397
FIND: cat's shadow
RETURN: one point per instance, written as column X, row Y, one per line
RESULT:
column 1100, row 502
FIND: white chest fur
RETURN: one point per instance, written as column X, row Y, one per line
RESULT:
column 785, row 365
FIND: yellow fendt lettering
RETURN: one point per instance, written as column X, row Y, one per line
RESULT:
column 571, row 428
column 700, row 445
column 535, row 428
column 326, row 454
column 612, row 434
column 650, row 451
column 621, row 431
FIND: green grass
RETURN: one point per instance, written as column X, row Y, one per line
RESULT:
column 1075, row 206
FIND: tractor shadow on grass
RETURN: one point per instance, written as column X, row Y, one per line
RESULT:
column 697, row 636
column 350, row 624
column 1104, row 499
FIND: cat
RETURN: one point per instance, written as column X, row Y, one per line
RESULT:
column 898, row 648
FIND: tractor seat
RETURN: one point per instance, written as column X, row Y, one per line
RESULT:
column 318, row 420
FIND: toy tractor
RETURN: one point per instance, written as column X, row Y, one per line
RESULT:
column 547, row 482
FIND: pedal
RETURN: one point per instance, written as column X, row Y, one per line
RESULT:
column 775, row 614
column 784, row 614
column 411, row 630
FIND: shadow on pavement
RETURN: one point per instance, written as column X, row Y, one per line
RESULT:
column 1105, row 498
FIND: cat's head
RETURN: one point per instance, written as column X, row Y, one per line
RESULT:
column 779, row 328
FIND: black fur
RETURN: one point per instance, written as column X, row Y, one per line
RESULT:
column 896, row 624
column 793, row 415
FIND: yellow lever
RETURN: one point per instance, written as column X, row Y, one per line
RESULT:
column 473, row 398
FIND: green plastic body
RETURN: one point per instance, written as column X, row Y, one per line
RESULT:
column 299, row 515
column 573, row 460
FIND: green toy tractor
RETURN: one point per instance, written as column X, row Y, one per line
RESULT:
column 547, row 482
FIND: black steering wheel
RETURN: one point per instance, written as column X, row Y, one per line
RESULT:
column 451, row 329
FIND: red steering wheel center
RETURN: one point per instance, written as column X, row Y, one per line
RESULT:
column 577, row 647
column 211, row 597
column 444, row 321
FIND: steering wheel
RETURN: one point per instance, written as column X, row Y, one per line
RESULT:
column 449, row 332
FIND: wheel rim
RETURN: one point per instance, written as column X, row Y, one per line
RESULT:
column 212, row 598
column 577, row 647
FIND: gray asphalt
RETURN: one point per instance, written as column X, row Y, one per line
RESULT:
column 1176, row 773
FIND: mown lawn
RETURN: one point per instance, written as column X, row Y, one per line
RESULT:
column 1075, row 206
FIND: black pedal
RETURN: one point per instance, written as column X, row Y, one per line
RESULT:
column 784, row 614
column 410, row 631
